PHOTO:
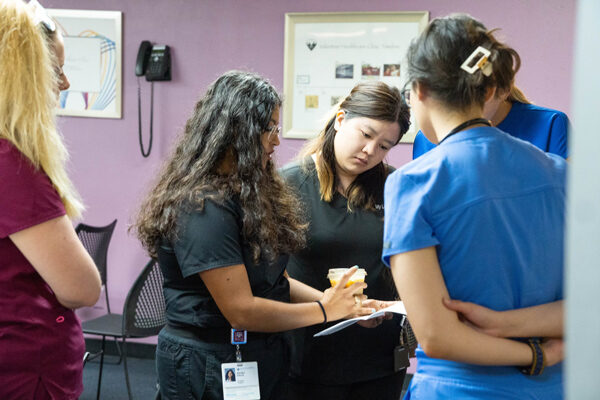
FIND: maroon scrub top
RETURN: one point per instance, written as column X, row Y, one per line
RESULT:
column 41, row 343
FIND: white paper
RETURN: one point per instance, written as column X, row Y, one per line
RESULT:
column 83, row 63
column 331, row 58
column 397, row 308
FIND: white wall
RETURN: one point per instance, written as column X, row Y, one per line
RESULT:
column 583, row 220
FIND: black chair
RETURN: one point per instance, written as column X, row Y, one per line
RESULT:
column 143, row 316
column 96, row 239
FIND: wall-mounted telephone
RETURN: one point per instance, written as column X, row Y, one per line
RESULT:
column 154, row 62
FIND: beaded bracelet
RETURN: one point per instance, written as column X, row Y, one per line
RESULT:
column 539, row 359
column 322, row 309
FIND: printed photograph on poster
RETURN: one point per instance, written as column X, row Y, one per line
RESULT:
column 326, row 54
column 335, row 100
column 92, row 62
column 344, row 71
column 391, row 69
column 312, row 101
column 369, row 70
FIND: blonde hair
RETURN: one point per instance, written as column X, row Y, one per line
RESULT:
column 517, row 95
column 28, row 84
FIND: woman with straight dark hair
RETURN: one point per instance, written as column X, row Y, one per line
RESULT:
column 478, row 219
column 340, row 177
column 221, row 223
column 510, row 111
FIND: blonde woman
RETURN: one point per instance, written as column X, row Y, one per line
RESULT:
column 44, row 270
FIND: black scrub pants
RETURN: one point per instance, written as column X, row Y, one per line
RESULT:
column 190, row 368
column 386, row 388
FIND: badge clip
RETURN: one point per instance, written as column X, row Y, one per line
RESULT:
column 239, row 336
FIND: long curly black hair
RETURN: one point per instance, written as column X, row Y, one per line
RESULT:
column 226, row 129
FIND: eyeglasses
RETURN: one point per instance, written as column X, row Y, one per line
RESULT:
column 406, row 93
column 41, row 16
column 273, row 131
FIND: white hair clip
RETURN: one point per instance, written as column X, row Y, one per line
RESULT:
column 478, row 60
column 40, row 16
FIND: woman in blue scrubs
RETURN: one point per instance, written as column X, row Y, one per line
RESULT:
column 509, row 110
column 480, row 220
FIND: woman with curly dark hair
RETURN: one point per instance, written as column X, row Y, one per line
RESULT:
column 221, row 223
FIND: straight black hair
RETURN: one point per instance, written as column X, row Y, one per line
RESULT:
column 369, row 99
column 435, row 58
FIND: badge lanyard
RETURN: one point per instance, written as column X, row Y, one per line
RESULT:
column 240, row 379
column 401, row 352
column 466, row 124
column 238, row 337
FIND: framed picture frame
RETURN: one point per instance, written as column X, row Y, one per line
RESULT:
column 93, row 56
column 326, row 54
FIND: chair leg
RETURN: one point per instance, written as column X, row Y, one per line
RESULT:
column 92, row 356
column 101, row 365
column 119, row 350
column 109, row 359
column 125, row 368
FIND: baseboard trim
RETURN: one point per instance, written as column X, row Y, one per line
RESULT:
column 138, row 350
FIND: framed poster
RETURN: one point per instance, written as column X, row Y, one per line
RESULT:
column 92, row 62
column 326, row 54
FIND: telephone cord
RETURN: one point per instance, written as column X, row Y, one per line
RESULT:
column 144, row 153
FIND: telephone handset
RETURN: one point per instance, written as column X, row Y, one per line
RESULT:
column 154, row 61
column 142, row 58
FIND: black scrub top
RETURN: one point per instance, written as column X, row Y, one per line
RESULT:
column 338, row 238
column 207, row 239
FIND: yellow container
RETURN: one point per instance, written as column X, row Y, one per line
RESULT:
column 335, row 275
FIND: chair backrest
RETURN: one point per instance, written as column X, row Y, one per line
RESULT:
column 96, row 239
column 144, row 311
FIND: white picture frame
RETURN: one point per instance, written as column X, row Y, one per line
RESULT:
column 93, row 57
column 326, row 54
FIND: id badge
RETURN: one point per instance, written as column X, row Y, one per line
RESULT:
column 401, row 358
column 240, row 381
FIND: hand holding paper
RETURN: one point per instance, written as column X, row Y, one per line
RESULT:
column 376, row 305
column 397, row 308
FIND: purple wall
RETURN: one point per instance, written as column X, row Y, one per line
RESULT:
column 210, row 37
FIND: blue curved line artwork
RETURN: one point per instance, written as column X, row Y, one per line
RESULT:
column 108, row 65
column 107, row 81
column 92, row 62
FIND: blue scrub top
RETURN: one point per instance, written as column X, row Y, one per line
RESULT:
column 494, row 208
column 547, row 129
